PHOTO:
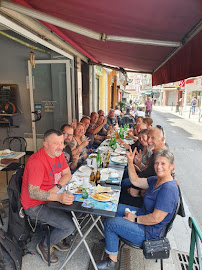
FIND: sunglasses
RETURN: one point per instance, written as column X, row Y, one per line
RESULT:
column 161, row 128
column 67, row 134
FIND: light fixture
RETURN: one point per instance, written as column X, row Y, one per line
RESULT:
column 143, row 41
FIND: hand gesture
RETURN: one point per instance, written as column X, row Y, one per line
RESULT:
column 86, row 142
column 66, row 198
column 76, row 156
column 121, row 142
column 138, row 158
column 74, row 123
column 131, row 155
column 129, row 216
column 104, row 121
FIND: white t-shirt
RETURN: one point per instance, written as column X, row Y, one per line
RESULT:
column 117, row 112
column 140, row 113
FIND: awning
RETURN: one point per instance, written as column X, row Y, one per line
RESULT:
column 168, row 21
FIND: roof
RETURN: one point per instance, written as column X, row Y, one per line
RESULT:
column 168, row 20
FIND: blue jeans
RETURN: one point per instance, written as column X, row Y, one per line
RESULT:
column 60, row 220
column 193, row 108
column 115, row 227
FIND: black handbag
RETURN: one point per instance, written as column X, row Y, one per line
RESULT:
column 156, row 248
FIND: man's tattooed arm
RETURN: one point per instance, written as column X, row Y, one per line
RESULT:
column 36, row 193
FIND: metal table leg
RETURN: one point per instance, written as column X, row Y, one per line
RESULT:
column 96, row 225
column 83, row 236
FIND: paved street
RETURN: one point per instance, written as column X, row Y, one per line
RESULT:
column 184, row 138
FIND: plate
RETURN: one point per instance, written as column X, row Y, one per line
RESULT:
column 119, row 159
column 108, row 170
column 84, row 169
column 104, row 148
column 101, row 197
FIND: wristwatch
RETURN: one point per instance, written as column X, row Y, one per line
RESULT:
column 135, row 221
column 58, row 186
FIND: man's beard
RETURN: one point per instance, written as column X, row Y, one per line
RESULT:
column 57, row 153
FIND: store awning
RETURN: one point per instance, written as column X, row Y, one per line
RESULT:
column 156, row 20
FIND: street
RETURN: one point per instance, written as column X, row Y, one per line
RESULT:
column 185, row 140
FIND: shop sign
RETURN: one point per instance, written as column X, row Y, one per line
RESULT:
column 49, row 106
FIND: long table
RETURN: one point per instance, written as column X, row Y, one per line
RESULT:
column 94, row 214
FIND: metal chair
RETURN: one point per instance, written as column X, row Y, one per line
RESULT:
column 166, row 229
column 17, row 144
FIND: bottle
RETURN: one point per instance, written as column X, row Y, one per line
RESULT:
column 97, row 177
column 110, row 143
column 92, row 175
column 114, row 146
column 98, row 159
column 84, row 188
column 84, row 193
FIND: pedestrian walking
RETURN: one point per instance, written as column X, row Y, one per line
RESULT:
column 194, row 102
column 148, row 104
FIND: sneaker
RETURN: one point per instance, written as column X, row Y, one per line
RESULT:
column 62, row 246
column 43, row 251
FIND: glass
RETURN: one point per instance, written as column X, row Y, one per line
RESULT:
column 67, row 134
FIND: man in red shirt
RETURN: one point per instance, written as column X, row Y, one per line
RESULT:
column 47, row 172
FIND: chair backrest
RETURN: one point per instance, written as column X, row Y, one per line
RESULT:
column 17, row 222
column 127, row 119
column 18, row 144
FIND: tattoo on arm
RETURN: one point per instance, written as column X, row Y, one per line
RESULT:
column 36, row 193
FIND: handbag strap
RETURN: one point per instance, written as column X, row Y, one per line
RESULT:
column 145, row 231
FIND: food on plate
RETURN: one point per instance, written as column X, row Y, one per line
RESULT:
column 101, row 197
column 79, row 190
column 5, row 152
column 100, row 189
column 92, row 156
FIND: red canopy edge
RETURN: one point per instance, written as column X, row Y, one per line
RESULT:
column 56, row 30
column 184, row 64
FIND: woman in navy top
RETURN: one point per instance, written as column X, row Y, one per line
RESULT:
column 160, row 202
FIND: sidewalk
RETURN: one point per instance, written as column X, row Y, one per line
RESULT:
column 194, row 118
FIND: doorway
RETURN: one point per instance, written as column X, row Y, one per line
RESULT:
column 50, row 84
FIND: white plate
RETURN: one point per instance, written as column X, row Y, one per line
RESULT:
column 104, row 148
column 85, row 169
column 119, row 159
column 108, row 170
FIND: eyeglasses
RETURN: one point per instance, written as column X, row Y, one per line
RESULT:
column 161, row 128
column 67, row 134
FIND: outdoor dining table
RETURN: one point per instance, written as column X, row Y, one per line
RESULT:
column 95, row 215
column 7, row 159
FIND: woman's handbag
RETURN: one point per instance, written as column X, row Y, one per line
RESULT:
column 156, row 248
